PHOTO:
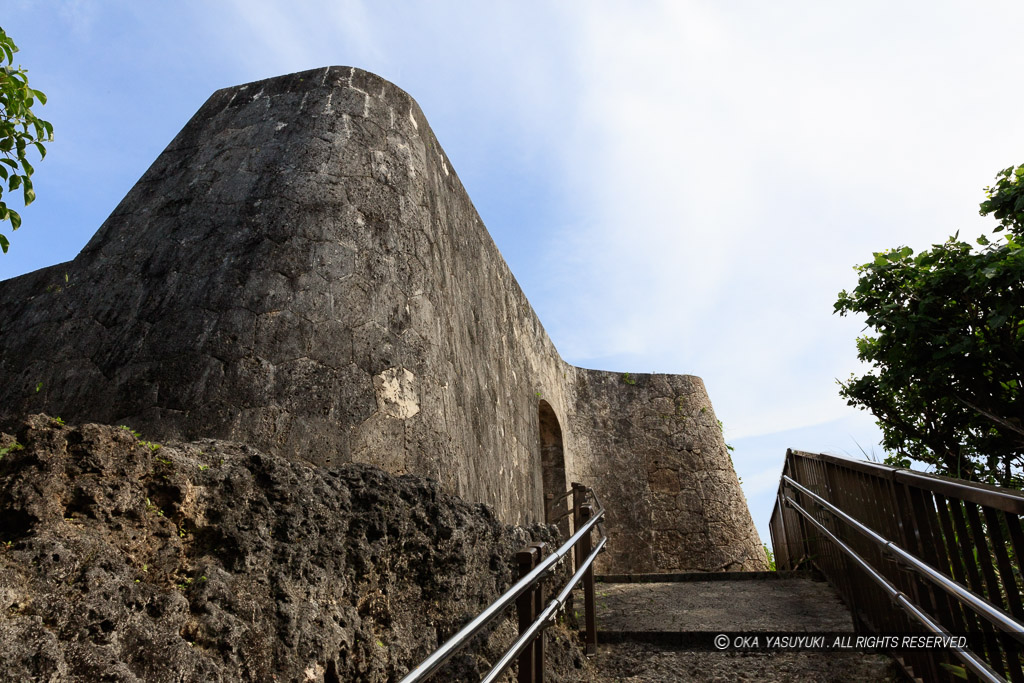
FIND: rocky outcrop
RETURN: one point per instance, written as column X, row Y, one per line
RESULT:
column 123, row 559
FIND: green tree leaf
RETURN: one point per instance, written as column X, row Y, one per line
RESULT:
column 16, row 102
column 946, row 347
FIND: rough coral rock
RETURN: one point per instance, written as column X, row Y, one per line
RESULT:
column 126, row 560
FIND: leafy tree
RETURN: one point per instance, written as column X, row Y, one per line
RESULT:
column 19, row 129
column 948, row 347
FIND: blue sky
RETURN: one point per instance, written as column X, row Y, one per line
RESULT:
column 678, row 186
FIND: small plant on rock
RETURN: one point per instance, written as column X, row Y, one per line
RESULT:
column 151, row 445
column 153, row 508
column 10, row 449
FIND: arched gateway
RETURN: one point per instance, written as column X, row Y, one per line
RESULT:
column 552, row 458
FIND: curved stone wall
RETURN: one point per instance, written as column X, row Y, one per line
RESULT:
column 301, row 269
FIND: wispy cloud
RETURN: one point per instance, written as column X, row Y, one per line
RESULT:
column 759, row 459
column 729, row 169
column 296, row 36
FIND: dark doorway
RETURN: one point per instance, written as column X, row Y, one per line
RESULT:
column 552, row 459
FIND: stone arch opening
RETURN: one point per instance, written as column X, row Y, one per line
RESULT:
column 552, row 461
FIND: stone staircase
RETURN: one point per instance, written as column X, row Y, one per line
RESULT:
column 657, row 628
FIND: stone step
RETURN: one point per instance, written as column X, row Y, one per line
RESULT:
column 648, row 628
column 747, row 601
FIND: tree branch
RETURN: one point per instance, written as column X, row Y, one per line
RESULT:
column 994, row 418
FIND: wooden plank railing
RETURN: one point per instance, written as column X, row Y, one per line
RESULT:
column 911, row 553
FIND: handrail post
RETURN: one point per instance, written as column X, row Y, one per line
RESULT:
column 790, row 468
column 526, row 606
column 586, row 513
column 524, row 592
column 538, row 607
column 579, row 495
column 854, row 599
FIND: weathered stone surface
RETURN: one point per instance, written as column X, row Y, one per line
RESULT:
column 650, row 663
column 212, row 561
column 302, row 270
column 793, row 602
column 656, row 456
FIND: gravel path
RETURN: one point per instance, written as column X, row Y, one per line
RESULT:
column 632, row 612
column 788, row 604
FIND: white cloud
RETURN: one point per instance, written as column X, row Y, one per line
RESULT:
column 274, row 38
column 80, row 15
column 728, row 170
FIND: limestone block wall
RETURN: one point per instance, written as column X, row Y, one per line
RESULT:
column 653, row 449
column 302, row 269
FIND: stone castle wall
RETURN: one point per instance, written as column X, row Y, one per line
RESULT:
column 655, row 454
column 301, row 269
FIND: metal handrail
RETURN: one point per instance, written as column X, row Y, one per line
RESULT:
column 911, row 551
column 542, row 620
column 560, row 496
column 560, row 517
column 597, row 501
column 975, row 664
column 977, row 603
column 436, row 659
